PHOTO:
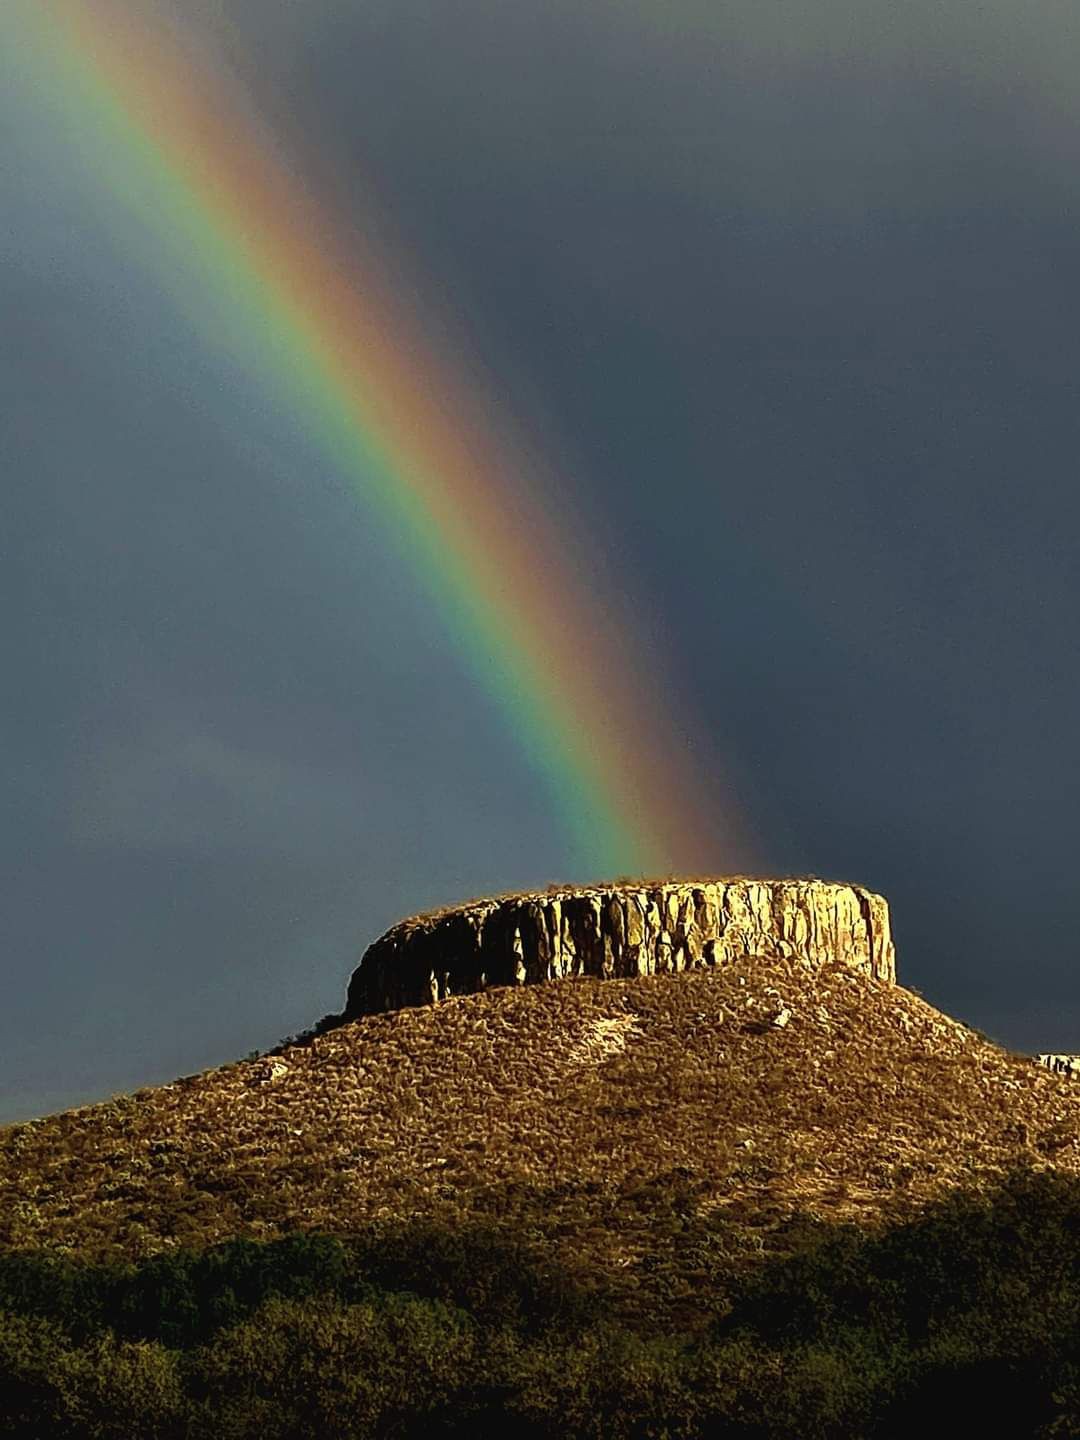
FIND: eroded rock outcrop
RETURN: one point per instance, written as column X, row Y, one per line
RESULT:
column 620, row 930
column 1061, row 1064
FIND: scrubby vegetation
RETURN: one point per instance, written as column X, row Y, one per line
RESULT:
column 422, row 1331
column 868, row 1103
column 632, row 1208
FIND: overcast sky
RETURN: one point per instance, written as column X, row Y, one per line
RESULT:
column 787, row 294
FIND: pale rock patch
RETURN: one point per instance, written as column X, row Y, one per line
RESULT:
column 599, row 1040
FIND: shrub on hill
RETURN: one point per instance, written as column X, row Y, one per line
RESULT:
column 412, row 1331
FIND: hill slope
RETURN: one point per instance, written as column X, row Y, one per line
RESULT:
column 593, row 1116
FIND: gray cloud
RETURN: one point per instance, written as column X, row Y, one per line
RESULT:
column 785, row 296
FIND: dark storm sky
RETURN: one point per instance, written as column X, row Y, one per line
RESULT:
column 789, row 296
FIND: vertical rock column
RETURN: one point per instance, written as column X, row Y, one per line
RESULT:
column 620, row 930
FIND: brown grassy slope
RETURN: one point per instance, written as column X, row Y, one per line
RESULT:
column 555, row 1106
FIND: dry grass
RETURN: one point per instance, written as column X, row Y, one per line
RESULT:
column 565, row 1109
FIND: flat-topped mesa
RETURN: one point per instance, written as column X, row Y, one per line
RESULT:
column 612, row 931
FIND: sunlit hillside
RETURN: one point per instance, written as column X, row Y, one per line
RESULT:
column 571, row 1111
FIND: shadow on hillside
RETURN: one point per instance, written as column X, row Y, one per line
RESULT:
column 437, row 1330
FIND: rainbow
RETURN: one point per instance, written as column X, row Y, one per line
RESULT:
column 201, row 191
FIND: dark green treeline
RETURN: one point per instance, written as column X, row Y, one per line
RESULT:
column 417, row 1331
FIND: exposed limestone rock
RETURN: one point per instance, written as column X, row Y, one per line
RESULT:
column 270, row 1070
column 1062, row 1064
column 620, row 930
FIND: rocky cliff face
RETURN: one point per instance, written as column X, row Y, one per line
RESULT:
column 1061, row 1064
column 620, row 930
